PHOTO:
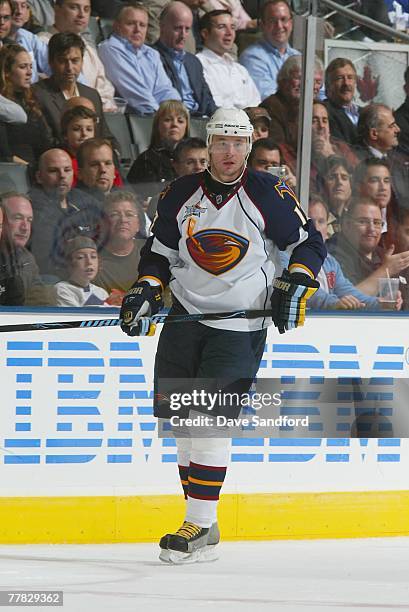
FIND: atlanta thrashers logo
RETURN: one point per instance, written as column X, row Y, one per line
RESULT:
column 216, row 251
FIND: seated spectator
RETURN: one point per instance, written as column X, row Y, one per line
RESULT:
column 82, row 265
column 19, row 215
column 73, row 17
column 402, row 117
column 335, row 291
column 340, row 87
column 377, row 131
column 96, row 168
column 183, row 69
column 126, row 236
column 170, row 126
column 11, row 285
column 260, row 120
column 79, row 124
column 6, row 16
column 240, row 18
column 323, row 144
column 26, row 141
column 60, row 212
column 35, row 47
column 54, row 180
column 264, row 58
column 101, row 131
column 189, row 157
column 357, row 249
column 108, row 9
column 265, row 154
column 372, row 179
column 283, row 106
column 229, row 82
column 65, row 56
column 135, row 69
column 337, row 189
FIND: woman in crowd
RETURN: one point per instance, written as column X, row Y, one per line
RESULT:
column 170, row 126
column 337, row 190
column 126, row 236
column 77, row 125
column 26, row 142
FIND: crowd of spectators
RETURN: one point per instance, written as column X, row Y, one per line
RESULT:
column 74, row 236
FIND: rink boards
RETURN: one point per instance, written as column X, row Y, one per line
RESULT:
column 81, row 460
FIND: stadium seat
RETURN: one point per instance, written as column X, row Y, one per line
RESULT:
column 198, row 127
column 141, row 128
column 105, row 26
column 95, row 30
column 118, row 124
column 14, row 177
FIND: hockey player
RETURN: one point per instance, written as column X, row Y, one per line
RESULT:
column 216, row 237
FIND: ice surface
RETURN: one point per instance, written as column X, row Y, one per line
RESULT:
column 304, row 576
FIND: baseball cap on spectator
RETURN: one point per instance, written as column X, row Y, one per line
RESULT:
column 260, row 120
column 256, row 113
column 77, row 243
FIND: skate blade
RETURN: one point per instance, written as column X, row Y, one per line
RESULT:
column 208, row 554
column 203, row 555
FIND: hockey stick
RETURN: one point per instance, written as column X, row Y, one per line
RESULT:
column 158, row 318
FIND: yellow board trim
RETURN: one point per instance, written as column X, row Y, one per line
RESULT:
column 262, row 516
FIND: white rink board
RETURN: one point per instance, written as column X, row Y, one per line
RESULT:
column 76, row 412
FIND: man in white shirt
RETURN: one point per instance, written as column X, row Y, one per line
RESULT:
column 230, row 83
column 73, row 16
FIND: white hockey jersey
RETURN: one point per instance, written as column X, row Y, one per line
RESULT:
column 223, row 256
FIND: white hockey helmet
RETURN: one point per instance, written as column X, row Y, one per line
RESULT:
column 229, row 122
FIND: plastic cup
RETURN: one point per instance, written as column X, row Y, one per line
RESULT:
column 121, row 104
column 388, row 292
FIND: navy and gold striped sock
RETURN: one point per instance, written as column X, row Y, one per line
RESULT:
column 205, row 481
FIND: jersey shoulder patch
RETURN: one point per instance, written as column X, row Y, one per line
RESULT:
column 267, row 184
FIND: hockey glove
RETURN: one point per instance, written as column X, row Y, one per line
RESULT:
column 139, row 304
column 289, row 298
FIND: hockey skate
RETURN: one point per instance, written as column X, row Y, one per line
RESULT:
column 190, row 544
